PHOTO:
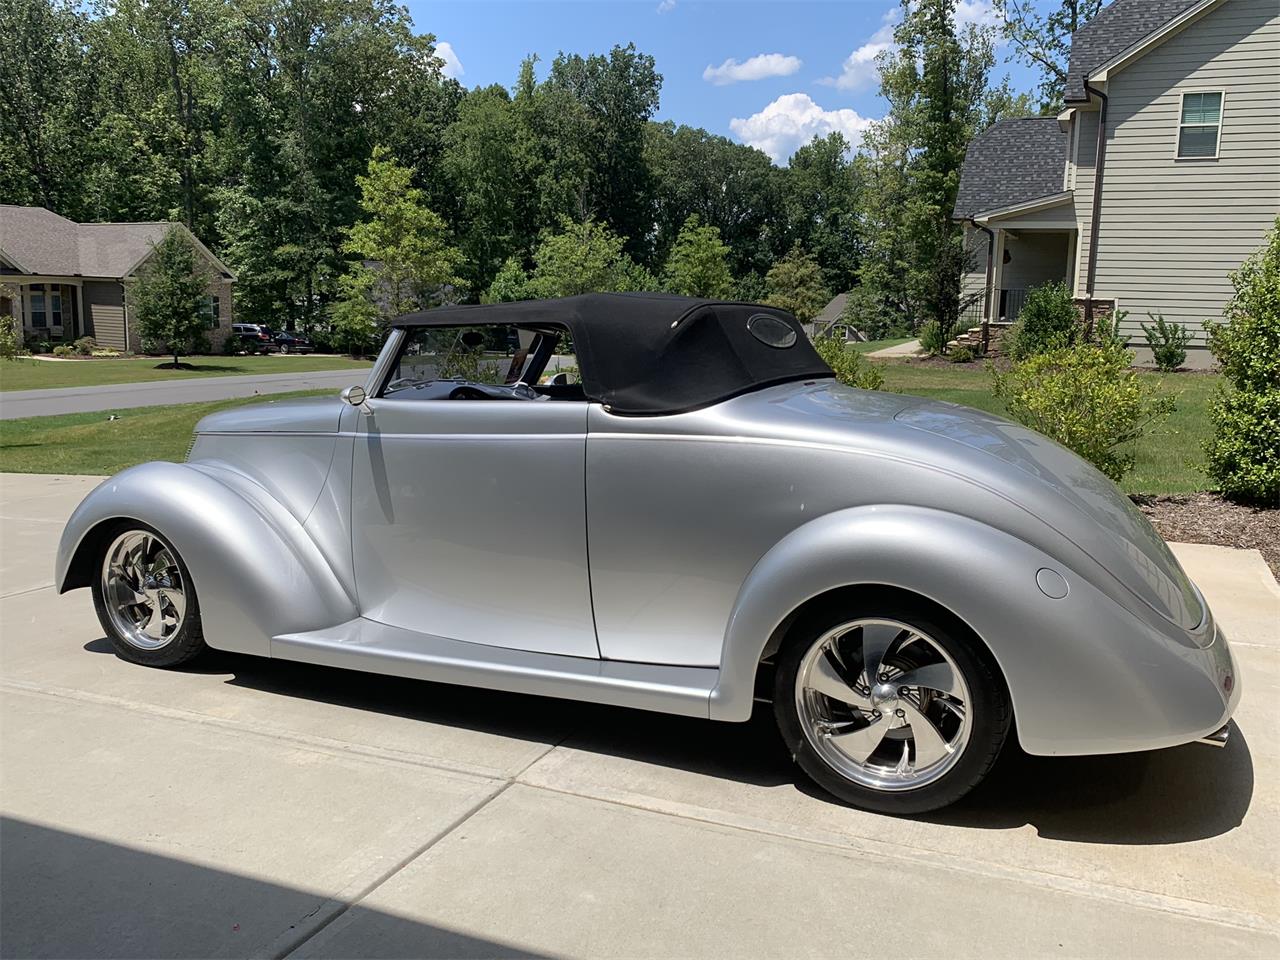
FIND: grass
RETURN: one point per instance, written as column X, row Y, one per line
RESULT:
column 869, row 346
column 89, row 443
column 28, row 374
column 1169, row 457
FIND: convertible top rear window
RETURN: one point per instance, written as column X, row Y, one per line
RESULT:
column 652, row 353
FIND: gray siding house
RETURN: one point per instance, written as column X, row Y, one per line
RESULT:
column 1158, row 179
column 67, row 280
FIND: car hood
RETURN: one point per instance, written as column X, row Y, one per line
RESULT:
column 307, row 415
column 1025, row 467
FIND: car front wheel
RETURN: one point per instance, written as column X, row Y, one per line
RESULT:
column 145, row 599
column 890, row 708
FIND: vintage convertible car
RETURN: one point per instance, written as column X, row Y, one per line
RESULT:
column 697, row 518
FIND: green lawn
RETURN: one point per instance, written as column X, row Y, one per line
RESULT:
column 872, row 345
column 1168, row 461
column 27, row 374
column 90, row 443
column 1169, row 458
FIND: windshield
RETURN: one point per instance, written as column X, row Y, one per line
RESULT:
column 492, row 355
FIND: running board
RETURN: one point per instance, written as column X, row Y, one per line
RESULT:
column 377, row 648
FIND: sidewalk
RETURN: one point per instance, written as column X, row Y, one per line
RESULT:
column 248, row 807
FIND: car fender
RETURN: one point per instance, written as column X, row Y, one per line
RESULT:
column 256, row 572
column 1085, row 675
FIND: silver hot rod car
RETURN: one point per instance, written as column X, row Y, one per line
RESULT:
column 696, row 517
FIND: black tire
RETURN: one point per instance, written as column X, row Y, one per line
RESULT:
column 989, row 710
column 284, row 348
column 186, row 644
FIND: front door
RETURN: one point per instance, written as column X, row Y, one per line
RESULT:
column 469, row 521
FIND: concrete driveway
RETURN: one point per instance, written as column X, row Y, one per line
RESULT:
column 246, row 807
column 155, row 393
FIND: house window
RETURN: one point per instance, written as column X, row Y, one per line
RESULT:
column 46, row 305
column 212, row 309
column 36, row 298
column 1199, row 126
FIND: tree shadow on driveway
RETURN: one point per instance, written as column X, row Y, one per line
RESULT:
column 1177, row 795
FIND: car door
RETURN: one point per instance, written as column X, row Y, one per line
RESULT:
column 468, row 521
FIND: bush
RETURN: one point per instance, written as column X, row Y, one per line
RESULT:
column 1087, row 398
column 1168, row 342
column 848, row 365
column 85, row 346
column 11, row 344
column 63, row 350
column 1244, row 451
column 962, row 355
column 1047, row 321
column 932, row 340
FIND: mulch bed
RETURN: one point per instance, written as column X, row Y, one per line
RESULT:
column 1207, row 518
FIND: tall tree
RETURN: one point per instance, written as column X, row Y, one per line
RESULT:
column 699, row 263
column 584, row 257
column 794, row 283
column 169, row 295
column 1044, row 39
column 821, row 190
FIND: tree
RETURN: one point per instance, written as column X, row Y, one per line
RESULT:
column 821, row 196
column 402, row 253
column 11, row 343
column 795, row 284
column 699, row 263
column 170, row 294
column 1045, row 40
column 584, row 257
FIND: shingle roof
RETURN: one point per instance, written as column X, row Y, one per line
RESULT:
column 1114, row 29
column 1013, row 161
column 41, row 242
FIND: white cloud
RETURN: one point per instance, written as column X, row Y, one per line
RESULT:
column 792, row 121
column 980, row 13
column 756, row 68
column 452, row 65
column 859, row 72
column 666, row 6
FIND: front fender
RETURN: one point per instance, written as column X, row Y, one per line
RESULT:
column 1085, row 675
column 256, row 572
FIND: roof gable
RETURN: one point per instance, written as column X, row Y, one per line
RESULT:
column 1011, row 162
column 1115, row 29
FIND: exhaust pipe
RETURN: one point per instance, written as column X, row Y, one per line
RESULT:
column 1218, row 738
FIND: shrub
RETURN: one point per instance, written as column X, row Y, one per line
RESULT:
column 1047, row 321
column 85, row 346
column 848, row 365
column 1244, row 451
column 962, row 355
column 1087, row 398
column 932, row 340
column 63, row 350
column 11, row 344
column 1168, row 342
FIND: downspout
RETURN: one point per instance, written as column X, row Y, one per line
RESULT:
column 1098, row 163
column 986, row 294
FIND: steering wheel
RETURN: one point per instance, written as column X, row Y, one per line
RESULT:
column 465, row 392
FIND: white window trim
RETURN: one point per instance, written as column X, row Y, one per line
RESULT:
column 1178, row 124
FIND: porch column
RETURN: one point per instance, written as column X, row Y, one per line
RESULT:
column 79, row 288
column 997, row 276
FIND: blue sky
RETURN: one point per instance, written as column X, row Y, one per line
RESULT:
column 767, row 73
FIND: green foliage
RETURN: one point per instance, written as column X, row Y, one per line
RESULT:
column 1087, row 398
column 1044, row 40
column 1047, row 321
column 1244, row 452
column 932, row 340
column 509, row 284
column 821, row 192
column 64, row 350
column 584, row 257
column 85, row 346
column 962, row 355
column 11, row 342
column 1168, row 342
column 699, row 263
column 795, row 284
column 848, row 365
column 168, row 296
column 750, row 288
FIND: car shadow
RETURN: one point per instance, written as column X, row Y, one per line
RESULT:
column 1178, row 795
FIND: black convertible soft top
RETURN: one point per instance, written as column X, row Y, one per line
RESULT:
column 654, row 353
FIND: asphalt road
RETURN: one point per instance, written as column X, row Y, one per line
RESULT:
column 43, row 403
column 248, row 807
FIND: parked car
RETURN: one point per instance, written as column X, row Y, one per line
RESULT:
column 253, row 338
column 704, row 519
column 287, row 341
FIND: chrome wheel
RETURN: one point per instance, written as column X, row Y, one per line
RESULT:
column 883, row 704
column 144, row 591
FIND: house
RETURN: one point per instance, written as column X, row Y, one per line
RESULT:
column 1158, row 179
column 67, row 280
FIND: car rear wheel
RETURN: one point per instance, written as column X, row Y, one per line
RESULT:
column 890, row 708
column 284, row 348
column 145, row 599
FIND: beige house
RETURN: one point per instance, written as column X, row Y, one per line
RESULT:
column 67, row 280
column 1158, row 179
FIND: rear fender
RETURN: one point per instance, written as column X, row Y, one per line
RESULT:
column 256, row 572
column 1084, row 674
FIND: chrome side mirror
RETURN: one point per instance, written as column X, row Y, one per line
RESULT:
column 355, row 395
